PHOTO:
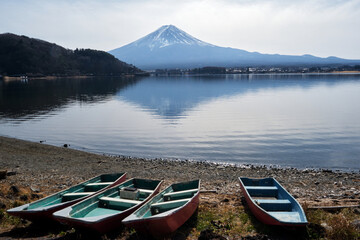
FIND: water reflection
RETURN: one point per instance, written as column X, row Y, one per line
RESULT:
column 167, row 97
column 33, row 98
column 171, row 98
column 289, row 120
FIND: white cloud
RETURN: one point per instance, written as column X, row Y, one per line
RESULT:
column 315, row 27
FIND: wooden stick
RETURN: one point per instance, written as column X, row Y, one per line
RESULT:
column 333, row 208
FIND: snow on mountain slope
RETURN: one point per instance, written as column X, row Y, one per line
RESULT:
column 170, row 47
column 166, row 36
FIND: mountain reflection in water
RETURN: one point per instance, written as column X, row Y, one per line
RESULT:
column 289, row 120
column 21, row 99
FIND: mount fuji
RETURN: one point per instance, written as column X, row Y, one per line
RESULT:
column 170, row 47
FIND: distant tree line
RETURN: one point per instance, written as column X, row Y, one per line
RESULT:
column 21, row 55
column 204, row 70
column 208, row 70
column 258, row 70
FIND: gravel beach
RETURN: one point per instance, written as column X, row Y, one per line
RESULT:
column 45, row 169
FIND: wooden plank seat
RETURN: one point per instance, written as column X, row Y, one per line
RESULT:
column 180, row 194
column 262, row 191
column 78, row 194
column 117, row 203
column 145, row 190
column 274, row 205
column 96, row 186
column 75, row 195
column 99, row 184
column 160, row 207
column 120, row 200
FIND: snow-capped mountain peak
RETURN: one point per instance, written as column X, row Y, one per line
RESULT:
column 168, row 35
column 170, row 47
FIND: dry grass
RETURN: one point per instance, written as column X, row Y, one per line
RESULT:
column 341, row 228
column 335, row 226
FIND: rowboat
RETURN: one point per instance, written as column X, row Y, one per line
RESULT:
column 105, row 211
column 44, row 208
column 271, row 203
column 167, row 211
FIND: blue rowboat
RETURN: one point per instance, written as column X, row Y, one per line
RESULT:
column 44, row 208
column 105, row 211
column 271, row 203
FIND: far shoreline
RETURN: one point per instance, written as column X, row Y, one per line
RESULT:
column 55, row 77
column 25, row 77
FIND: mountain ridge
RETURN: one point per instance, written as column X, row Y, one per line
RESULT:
column 21, row 55
column 171, row 47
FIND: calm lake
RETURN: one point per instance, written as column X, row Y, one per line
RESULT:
column 286, row 120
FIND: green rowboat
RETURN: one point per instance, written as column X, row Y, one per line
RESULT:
column 105, row 211
column 45, row 207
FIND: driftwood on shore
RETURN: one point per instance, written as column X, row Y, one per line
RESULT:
column 334, row 208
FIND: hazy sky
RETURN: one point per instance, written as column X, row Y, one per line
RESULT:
column 319, row 27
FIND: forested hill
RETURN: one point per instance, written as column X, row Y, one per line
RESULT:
column 21, row 55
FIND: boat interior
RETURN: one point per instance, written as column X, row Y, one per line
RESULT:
column 115, row 200
column 276, row 201
column 171, row 198
column 85, row 189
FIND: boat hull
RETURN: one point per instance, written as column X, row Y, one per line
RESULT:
column 46, row 213
column 168, row 224
column 41, row 215
column 258, row 213
column 102, row 227
column 264, row 217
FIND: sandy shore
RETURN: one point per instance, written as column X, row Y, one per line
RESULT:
column 48, row 169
